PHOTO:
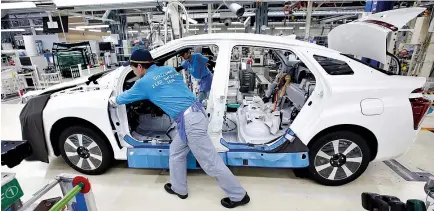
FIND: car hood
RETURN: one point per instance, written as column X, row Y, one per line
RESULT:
column 107, row 80
column 367, row 36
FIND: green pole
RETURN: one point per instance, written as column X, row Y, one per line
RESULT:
column 67, row 198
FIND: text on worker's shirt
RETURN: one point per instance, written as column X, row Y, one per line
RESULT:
column 167, row 77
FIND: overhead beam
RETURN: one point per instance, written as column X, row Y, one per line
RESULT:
column 329, row 20
column 65, row 12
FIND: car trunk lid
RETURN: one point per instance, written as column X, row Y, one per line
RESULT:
column 367, row 36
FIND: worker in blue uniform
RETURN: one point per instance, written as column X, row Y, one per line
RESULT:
column 137, row 45
column 197, row 65
column 165, row 87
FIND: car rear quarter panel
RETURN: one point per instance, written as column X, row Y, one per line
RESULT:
column 393, row 128
column 88, row 105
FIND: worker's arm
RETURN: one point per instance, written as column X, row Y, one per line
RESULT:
column 184, row 66
column 135, row 93
column 210, row 64
column 179, row 68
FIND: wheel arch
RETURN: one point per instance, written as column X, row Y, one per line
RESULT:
column 368, row 135
column 60, row 125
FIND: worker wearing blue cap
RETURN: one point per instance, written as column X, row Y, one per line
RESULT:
column 197, row 65
column 165, row 87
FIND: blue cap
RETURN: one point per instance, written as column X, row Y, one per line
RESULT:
column 141, row 56
column 126, row 64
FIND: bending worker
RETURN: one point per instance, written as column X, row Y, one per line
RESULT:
column 197, row 65
column 165, row 87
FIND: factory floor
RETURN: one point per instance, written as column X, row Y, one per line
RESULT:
column 122, row 188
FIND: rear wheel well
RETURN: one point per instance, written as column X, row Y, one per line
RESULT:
column 362, row 131
column 67, row 122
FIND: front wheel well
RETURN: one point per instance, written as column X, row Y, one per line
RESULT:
column 67, row 122
column 362, row 131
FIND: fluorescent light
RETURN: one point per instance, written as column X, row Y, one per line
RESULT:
column 216, row 29
column 280, row 28
column 235, row 28
column 301, row 27
column 39, row 29
column 133, row 31
column 193, row 29
column 69, row 3
column 92, row 26
column 95, row 30
column 109, row 32
column 13, row 30
column 237, row 23
column 75, row 29
column 18, row 5
column 261, row 28
column 77, row 23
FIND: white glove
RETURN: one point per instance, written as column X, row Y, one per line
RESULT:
column 112, row 101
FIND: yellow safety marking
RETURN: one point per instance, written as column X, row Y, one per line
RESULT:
column 428, row 128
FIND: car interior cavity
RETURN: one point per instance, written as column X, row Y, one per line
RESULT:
column 267, row 89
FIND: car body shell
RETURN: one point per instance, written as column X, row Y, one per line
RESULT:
column 368, row 98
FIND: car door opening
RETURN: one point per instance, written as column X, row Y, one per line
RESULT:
column 263, row 101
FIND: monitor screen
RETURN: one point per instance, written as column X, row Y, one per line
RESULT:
column 56, row 25
column 105, row 46
column 25, row 61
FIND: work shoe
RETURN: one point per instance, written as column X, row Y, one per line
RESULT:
column 226, row 202
column 168, row 188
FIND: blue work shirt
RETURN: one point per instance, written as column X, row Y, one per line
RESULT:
column 135, row 48
column 164, row 87
column 196, row 65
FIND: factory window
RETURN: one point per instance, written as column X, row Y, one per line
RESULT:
column 334, row 66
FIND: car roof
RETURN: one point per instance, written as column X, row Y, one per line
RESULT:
column 261, row 38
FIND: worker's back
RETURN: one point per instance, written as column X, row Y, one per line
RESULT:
column 166, row 89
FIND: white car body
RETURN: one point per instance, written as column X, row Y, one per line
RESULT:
column 340, row 103
column 369, row 100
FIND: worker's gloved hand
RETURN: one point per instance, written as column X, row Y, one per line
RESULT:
column 112, row 101
column 184, row 64
column 179, row 68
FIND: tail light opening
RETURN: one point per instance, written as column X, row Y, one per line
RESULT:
column 420, row 107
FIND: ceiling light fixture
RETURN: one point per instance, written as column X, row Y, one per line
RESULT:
column 13, row 30
column 39, row 29
column 75, row 29
column 69, row 3
column 92, row 26
column 18, row 5
column 95, row 30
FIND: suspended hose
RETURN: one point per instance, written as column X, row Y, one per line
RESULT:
column 166, row 16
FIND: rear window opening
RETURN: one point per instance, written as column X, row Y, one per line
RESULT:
column 334, row 66
column 367, row 64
